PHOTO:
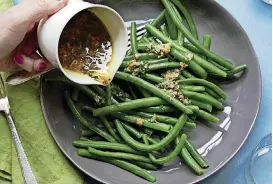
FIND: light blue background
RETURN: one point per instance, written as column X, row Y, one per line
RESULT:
column 255, row 17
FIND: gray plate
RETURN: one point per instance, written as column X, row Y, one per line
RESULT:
column 229, row 40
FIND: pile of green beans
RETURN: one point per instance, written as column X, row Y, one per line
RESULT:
column 162, row 87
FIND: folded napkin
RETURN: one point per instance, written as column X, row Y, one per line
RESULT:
column 48, row 163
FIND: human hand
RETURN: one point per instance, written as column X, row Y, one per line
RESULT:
column 18, row 35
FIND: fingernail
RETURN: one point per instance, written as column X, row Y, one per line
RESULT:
column 19, row 59
column 42, row 67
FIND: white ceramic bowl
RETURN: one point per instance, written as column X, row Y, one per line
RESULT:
column 50, row 29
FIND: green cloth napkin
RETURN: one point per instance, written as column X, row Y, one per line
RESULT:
column 48, row 163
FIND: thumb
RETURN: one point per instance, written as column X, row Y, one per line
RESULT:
column 30, row 11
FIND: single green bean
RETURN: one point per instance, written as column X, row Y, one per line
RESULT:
column 153, row 89
column 180, row 39
column 164, row 30
column 205, row 115
column 143, row 165
column 207, row 41
column 87, row 133
column 108, row 94
column 171, row 27
column 192, row 48
column 144, row 92
column 98, row 90
column 119, row 155
column 201, row 104
column 204, row 98
column 84, row 139
column 132, row 104
column 169, row 157
column 153, row 78
column 84, row 122
column 159, row 19
column 103, row 145
column 187, row 16
column 237, row 69
column 142, row 56
column 211, row 85
column 194, row 153
column 219, row 66
column 193, row 88
column 167, row 65
column 148, row 148
column 187, row 158
column 75, row 94
column 110, row 129
column 120, row 163
column 134, row 132
column 133, row 38
column 212, row 93
column 195, row 41
column 158, row 109
column 142, row 122
column 187, row 74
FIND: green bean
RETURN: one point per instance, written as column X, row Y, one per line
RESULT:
column 134, row 132
column 110, row 128
column 190, row 125
column 211, row 85
column 204, row 98
column 159, row 109
column 132, row 92
column 142, row 122
column 195, row 41
column 164, row 30
column 180, row 39
column 167, row 65
column 103, row 145
column 84, row 139
column 237, row 69
column 84, row 122
column 148, row 131
column 133, row 38
column 84, row 89
column 159, row 19
column 142, row 56
column 212, row 93
column 146, row 39
column 209, row 67
column 129, row 52
column 160, row 118
column 152, row 40
column 187, row 16
column 153, row 78
column 192, row 48
column 201, row 104
column 75, row 94
column 187, row 158
column 219, row 66
column 132, row 104
column 203, row 114
column 145, row 165
column 194, row 153
column 144, row 92
column 187, row 74
column 119, row 93
column 87, row 133
column 152, row 61
column 193, row 88
column 207, row 41
column 171, row 27
column 169, row 157
column 120, row 163
column 119, row 155
column 153, row 89
column 108, row 94
column 98, row 90
column 193, row 66
column 148, row 148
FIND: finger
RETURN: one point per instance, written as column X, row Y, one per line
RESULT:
column 30, row 11
column 34, row 63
